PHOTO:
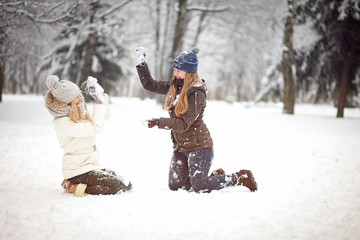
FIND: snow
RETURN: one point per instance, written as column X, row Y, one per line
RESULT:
column 307, row 168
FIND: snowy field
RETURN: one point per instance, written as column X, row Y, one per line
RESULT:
column 307, row 167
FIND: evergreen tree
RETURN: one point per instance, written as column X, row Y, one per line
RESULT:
column 87, row 45
column 327, row 69
column 87, row 42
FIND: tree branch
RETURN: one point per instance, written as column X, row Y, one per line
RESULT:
column 36, row 19
column 52, row 8
column 11, row 4
column 205, row 9
column 113, row 9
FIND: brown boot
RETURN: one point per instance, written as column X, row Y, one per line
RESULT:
column 65, row 184
column 217, row 172
column 246, row 178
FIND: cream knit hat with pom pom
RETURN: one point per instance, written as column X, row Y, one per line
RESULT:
column 63, row 90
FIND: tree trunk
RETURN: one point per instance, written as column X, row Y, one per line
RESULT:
column 289, row 85
column 86, row 63
column 157, row 39
column 181, row 24
column 343, row 89
column 164, row 59
column 180, row 28
column 2, row 63
column 1, row 80
column 89, row 48
column 200, row 27
column 24, row 86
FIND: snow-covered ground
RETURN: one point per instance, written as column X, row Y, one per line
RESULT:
column 307, row 167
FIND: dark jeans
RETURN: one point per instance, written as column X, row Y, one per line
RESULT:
column 191, row 169
column 103, row 182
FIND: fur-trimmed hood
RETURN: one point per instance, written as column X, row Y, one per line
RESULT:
column 56, row 108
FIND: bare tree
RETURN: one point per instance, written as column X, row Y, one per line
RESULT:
column 170, row 20
column 184, row 14
column 19, row 48
column 245, row 41
column 1, row 79
column 287, row 56
column 2, row 53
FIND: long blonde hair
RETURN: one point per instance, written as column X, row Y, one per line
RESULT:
column 191, row 79
column 75, row 113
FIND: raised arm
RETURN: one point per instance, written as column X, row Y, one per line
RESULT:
column 148, row 83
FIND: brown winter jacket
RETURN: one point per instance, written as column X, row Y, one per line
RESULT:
column 188, row 132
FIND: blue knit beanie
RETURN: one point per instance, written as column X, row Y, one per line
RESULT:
column 187, row 61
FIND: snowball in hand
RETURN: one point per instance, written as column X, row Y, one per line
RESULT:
column 141, row 54
column 95, row 90
column 91, row 82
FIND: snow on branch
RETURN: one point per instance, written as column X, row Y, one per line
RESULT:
column 114, row 8
column 52, row 8
column 36, row 19
column 11, row 4
column 205, row 9
column 343, row 10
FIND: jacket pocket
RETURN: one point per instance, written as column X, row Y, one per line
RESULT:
column 188, row 141
column 202, row 137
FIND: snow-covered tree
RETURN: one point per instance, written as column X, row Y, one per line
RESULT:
column 88, row 43
column 241, row 44
column 328, row 68
column 19, row 48
column 85, row 39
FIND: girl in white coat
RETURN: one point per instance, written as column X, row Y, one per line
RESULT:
column 76, row 131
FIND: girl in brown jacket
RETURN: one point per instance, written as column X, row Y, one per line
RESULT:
column 193, row 145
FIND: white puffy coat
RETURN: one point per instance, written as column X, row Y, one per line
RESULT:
column 78, row 140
